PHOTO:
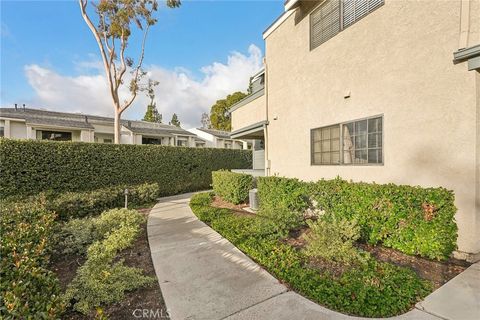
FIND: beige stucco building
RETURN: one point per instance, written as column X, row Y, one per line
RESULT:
column 378, row 90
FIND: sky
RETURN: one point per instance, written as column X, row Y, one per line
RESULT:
column 199, row 53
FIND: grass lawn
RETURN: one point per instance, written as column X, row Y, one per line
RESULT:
column 372, row 288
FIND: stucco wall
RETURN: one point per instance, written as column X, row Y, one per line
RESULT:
column 396, row 62
column 248, row 114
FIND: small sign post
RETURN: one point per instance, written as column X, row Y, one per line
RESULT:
column 126, row 198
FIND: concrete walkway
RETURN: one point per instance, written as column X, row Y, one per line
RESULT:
column 203, row 276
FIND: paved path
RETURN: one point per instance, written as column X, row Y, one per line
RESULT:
column 203, row 276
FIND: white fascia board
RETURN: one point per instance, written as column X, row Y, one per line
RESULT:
column 277, row 23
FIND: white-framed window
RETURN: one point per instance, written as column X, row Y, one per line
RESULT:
column 333, row 16
column 358, row 142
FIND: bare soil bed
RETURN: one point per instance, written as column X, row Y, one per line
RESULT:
column 148, row 298
column 218, row 202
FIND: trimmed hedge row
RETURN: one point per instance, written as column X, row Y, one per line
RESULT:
column 231, row 186
column 28, row 166
column 414, row 220
column 28, row 289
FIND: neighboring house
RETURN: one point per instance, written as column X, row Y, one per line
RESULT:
column 384, row 91
column 25, row 123
column 219, row 139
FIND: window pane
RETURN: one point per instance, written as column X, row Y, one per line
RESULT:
column 326, row 159
column 317, row 134
column 335, row 132
column 326, row 145
column 361, row 127
column 360, row 156
column 374, row 140
column 317, row 147
column 326, row 133
column 361, row 141
column 335, row 157
column 56, row 136
column 374, row 156
column 335, row 145
column 2, row 131
column 317, row 158
column 375, row 125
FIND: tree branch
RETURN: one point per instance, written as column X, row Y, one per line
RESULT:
column 106, row 65
column 139, row 66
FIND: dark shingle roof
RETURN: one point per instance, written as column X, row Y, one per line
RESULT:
column 47, row 118
column 144, row 127
column 216, row 133
column 78, row 120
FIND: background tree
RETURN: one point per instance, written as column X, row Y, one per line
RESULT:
column 205, row 121
column 152, row 114
column 112, row 28
column 219, row 116
column 175, row 121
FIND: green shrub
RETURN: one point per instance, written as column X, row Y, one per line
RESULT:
column 29, row 167
column 232, row 187
column 333, row 240
column 414, row 220
column 278, row 221
column 103, row 279
column 29, row 290
column 276, row 192
column 79, row 204
column 372, row 289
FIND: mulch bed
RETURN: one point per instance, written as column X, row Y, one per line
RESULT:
column 148, row 298
column 218, row 202
column 439, row 272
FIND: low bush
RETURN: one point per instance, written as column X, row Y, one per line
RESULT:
column 232, row 187
column 374, row 289
column 103, row 279
column 70, row 205
column 414, row 220
column 333, row 240
column 29, row 290
column 276, row 192
column 29, row 167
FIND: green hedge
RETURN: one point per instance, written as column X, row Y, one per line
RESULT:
column 28, row 289
column 414, row 220
column 28, row 167
column 231, row 186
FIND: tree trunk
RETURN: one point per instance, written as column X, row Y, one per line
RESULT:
column 116, row 126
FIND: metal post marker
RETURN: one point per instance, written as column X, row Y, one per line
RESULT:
column 126, row 198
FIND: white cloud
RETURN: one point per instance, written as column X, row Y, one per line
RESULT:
column 178, row 91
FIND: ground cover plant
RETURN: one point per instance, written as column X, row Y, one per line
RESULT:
column 102, row 279
column 364, row 286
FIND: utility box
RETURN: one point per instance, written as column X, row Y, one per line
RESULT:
column 253, row 199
